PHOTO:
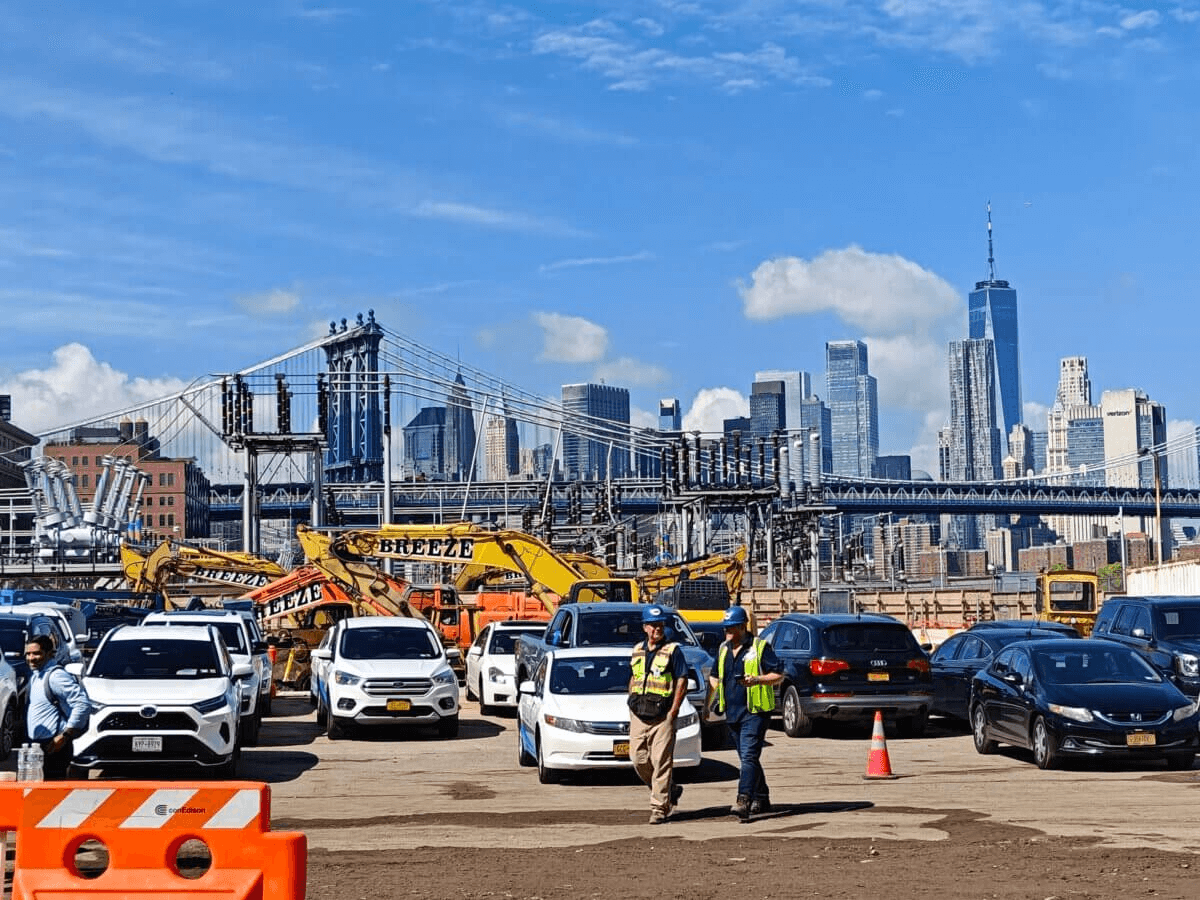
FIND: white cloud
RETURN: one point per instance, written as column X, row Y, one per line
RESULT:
column 571, row 338
column 77, row 387
column 640, row 256
column 1033, row 415
column 870, row 291
column 641, row 418
column 712, row 406
column 274, row 302
column 1186, row 15
column 649, row 26
column 1147, row 18
column 630, row 372
column 872, row 94
column 561, row 130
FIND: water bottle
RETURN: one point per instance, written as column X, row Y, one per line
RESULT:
column 23, row 763
column 37, row 760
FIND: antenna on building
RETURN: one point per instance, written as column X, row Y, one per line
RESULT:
column 991, row 259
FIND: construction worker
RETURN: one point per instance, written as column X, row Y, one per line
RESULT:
column 656, row 690
column 746, row 674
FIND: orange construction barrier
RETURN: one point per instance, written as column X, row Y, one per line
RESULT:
column 142, row 827
column 878, row 763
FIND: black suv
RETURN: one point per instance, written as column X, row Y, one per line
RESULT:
column 845, row 667
column 1166, row 630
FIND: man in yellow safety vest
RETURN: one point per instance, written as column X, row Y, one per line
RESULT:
column 656, row 691
column 745, row 678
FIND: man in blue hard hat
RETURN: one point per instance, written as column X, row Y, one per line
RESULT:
column 745, row 677
column 657, row 687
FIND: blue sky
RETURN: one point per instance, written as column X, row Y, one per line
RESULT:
column 667, row 195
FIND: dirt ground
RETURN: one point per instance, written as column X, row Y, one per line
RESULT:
column 981, row 860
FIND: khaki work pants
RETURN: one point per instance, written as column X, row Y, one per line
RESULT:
column 652, row 747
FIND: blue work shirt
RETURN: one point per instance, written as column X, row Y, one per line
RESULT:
column 736, row 706
column 46, row 718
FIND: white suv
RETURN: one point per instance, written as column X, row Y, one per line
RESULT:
column 383, row 670
column 244, row 647
column 164, row 696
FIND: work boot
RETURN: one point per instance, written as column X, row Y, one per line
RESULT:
column 741, row 808
column 658, row 817
column 760, row 805
column 676, row 793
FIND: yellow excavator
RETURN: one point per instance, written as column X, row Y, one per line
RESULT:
column 180, row 571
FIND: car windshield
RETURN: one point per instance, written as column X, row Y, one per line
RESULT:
column 1092, row 665
column 388, row 643
column 590, row 676
column 231, row 632
column 155, row 657
column 868, row 636
column 504, row 643
column 12, row 639
column 623, row 628
column 1179, row 622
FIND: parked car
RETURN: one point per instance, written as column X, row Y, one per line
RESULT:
column 491, row 663
column 1165, row 630
column 954, row 663
column 710, row 636
column 239, row 637
column 12, row 714
column 17, row 625
column 846, row 667
column 1063, row 628
column 574, row 715
column 161, row 696
column 1090, row 697
column 385, row 670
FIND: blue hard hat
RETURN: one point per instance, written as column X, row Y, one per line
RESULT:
column 735, row 615
column 654, row 615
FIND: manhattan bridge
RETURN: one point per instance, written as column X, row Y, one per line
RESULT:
column 315, row 435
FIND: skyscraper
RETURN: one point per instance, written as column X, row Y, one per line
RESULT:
column 973, row 448
column 669, row 417
column 599, row 443
column 853, row 399
column 1134, row 426
column 460, row 432
column 992, row 314
column 767, row 411
column 502, row 446
column 797, row 388
column 815, row 418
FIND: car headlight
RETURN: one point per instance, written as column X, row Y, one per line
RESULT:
column 1182, row 712
column 445, row 677
column 211, row 705
column 346, row 678
column 1188, row 665
column 565, row 724
column 686, row 721
column 1074, row 713
column 495, row 674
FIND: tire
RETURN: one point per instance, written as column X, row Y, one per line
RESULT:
column 1180, row 762
column 264, row 703
column 485, row 709
column 8, row 731
column 546, row 775
column 76, row 773
column 983, row 744
column 795, row 722
column 912, row 726
column 472, row 694
column 525, row 759
column 338, row 728
column 1045, row 745
column 322, row 715
column 250, row 729
column 448, row 726
column 227, row 771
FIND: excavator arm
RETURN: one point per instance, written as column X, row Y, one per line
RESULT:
column 728, row 566
column 174, row 559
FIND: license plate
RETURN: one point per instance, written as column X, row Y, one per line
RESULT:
column 1140, row 739
column 147, row 744
column 621, row 749
column 877, row 676
column 399, row 705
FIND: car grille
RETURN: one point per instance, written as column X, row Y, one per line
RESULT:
column 413, row 712
column 390, row 687
column 1141, row 718
column 606, row 727
column 132, row 721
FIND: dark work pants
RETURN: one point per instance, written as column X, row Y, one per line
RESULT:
column 748, row 737
column 54, row 765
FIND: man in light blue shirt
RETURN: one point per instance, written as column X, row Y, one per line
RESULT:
column 58, row 707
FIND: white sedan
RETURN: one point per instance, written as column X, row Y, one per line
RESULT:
column 574, row 715
column 492, row 665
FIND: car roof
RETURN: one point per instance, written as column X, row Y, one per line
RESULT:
column 620, row 605
column 177, row 633
column 198, row 613
column 601, row 652
column 1069, row 644
column 839, row 618
column 27, row 613
column 385, row 621
column 513, row 624
column 1011, row 624
column 1159, row 600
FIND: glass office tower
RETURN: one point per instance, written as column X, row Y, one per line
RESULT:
column 992, row 315
column 853, row 399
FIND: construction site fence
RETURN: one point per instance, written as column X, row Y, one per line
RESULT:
column 946, row 608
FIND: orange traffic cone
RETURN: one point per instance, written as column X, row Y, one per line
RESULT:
column 878, row 764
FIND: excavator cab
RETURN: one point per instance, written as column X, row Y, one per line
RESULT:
column 613, row 590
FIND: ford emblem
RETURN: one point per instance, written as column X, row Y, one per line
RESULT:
column 148, row 712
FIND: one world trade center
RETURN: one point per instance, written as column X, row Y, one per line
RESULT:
column 992, row 314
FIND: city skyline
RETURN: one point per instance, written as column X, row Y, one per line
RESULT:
column 607, row 196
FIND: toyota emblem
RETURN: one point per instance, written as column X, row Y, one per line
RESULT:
column 148, row 712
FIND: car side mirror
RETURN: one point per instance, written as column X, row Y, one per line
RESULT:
column 259, row 647
column 243, row 670
column 525, row 687
column 693, row 684
column 322, row 653
column 1014, row 678
column 555, row 639
column 75, row 668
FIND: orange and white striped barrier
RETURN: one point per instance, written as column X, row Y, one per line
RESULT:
column 879, row 766
column 142, row 826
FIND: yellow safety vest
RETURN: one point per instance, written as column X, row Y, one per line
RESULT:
column 658, row 680
column 760, row 698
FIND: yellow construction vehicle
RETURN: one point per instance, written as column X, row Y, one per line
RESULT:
column 729, row 567
column 180, row 571
column 1069, row 596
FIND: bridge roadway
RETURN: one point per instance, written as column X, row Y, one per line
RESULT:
column 646, row 496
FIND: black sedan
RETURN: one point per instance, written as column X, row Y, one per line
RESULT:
column 1088, row 698
column 954, row 663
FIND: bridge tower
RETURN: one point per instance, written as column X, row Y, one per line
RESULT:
column 354, row 429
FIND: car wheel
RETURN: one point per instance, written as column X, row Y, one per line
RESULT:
column 76, row 773
column 250, row 728
column 485, row 708
column 227, row 771
column 912, row 726
column 8, row 731
column 1180, row 761
column 795, row 722
column 1045, row 745
column 546, row 775
column 472, row 694
column 339, row 727
column 322, row 715
column 448, row 726
column 983, row 744
column 264, row 703
column 525, row 759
